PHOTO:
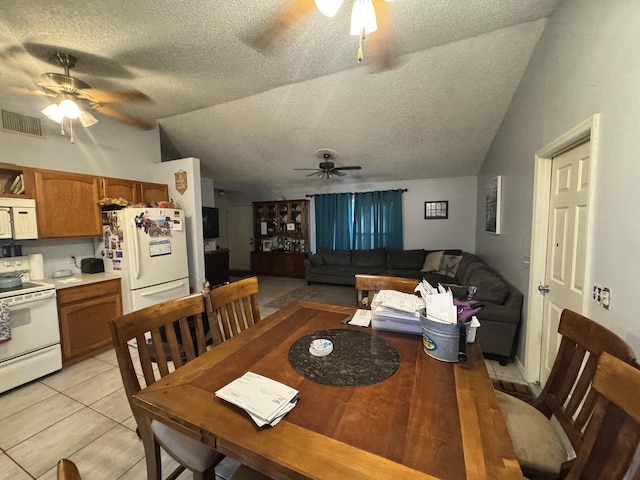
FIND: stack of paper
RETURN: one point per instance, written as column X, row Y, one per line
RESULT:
column 396, row 311
column 264, row 399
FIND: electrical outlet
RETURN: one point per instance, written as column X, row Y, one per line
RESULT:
column 597, row 293
column 606, row 298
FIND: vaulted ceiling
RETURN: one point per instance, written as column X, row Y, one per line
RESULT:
column 252, row 115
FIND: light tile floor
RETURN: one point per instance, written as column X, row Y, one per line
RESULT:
column 82, row 413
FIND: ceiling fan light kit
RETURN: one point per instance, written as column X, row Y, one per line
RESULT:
column 329, row 7
column 327, row 169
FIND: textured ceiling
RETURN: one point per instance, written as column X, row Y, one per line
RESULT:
column 252, row 117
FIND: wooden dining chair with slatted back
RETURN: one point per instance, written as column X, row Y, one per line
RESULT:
column 67, row 470
column 233, row 308
column 542, row 450
column 368, row 285
column 612, row 434
column 168, row 335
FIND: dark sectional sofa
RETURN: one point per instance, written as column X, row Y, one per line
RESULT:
column 500, row 317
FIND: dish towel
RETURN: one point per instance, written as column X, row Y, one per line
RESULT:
column 5, row 327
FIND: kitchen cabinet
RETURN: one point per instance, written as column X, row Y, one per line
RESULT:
column 16, row 181
column 119, row 188
column 83, row 314
column 281, row 237
column 67, row 204
column 216, row 266
column 149, row 193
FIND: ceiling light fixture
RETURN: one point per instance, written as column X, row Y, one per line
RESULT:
column 67, row 108
column 363, row 18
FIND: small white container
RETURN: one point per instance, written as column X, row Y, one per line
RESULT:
column 321, row 347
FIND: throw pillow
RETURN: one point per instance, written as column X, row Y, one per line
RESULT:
column 449, row 265
column 316, row 260
column 433, row 261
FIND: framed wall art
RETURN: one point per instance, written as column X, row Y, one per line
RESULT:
column 493, row 201
column 436, row 210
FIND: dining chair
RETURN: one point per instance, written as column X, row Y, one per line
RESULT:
column 67, row 470
column 545, row 451
column 232, row 308
column 167, row 335
column 612, row 434
column 368, row 285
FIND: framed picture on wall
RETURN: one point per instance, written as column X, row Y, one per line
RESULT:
column 436, row 210
column 267, row 245
column 492, row 208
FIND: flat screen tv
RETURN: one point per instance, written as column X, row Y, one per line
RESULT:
column 210, row 227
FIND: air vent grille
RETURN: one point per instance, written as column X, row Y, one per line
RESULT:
column 18, row 123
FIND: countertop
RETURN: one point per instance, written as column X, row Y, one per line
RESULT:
column 80, row 279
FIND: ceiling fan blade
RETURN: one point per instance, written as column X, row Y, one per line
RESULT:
column 108, row 96
column 315, row 169
column 111, row 112
column 31, row 91
column 317, row 172
column 336, row 172
column 355, row 167
column 382, row 43
column 263, row 38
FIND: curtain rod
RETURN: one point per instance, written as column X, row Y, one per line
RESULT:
column 353, row 193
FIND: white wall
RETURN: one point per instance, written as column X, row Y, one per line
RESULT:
column 456, row 232
column 191, row 202
column 107, row 148
column 585, row 62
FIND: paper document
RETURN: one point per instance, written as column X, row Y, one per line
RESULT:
column 440, row 308
column 362, row 318
column 403, row 302
column 264, row 399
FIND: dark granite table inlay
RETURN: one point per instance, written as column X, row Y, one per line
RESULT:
column 358, row 359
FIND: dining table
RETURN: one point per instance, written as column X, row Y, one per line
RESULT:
column 377, row 407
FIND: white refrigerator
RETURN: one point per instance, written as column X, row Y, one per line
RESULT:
column 148, row 248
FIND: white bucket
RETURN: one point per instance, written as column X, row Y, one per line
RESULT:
column 442, row 340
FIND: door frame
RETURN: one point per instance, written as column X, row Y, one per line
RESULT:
column 586, row 130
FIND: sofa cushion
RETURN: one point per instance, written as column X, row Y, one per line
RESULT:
column 449, row 265
column 335, row 257
column 405, row 259
column 316, row 260
column 491, row 287
column 433, row 261
column 369, row 258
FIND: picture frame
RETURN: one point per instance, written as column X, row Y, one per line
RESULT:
column 436, row 210
column 493, row 205
column 267, row 245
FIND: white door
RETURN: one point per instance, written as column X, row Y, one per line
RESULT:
column 566, row 246
column 240, row 219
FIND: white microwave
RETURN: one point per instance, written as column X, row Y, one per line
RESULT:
column 18, row 218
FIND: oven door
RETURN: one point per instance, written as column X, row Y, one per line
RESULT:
column 34, row 324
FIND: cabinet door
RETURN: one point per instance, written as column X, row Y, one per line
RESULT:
column 120, row 188
column 149, row 193
column 67, row 204
column 84, row 313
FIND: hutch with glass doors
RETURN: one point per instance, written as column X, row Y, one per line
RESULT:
column 281, row 237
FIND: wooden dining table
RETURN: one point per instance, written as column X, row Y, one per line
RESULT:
column 430, row 419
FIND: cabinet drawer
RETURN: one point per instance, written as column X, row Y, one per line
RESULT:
column 84, row 292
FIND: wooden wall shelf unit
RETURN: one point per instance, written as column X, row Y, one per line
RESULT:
column 281, row 237
column 16, row 181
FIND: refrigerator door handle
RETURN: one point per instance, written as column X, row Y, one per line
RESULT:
column 136, row 248
column 163, row 290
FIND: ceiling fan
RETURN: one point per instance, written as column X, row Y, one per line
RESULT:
column 71, row 96
column 327, row 169
column 367, row 17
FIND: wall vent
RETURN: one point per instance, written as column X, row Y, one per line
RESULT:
column 18, row 123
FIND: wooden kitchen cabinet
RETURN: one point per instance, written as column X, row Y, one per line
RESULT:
column 83, row 314
column 16, row 181
column 119, row 188
column 278, row 264
column 67, row 204
column 149, row 193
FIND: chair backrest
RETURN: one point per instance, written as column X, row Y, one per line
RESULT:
column 232, row 308
column 168, row 335
column 613, row 432
column 567, row 394
column 67, row 470
column 368, row 285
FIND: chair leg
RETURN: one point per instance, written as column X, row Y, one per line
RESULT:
column 208, row 474
column 151, row 449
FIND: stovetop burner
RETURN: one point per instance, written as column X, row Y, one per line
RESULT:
column 23, row 286
column 25, row 289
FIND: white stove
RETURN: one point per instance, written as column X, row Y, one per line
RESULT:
column 34, row 348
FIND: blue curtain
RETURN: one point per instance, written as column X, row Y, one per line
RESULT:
column 334, row 220
column 377, row 220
